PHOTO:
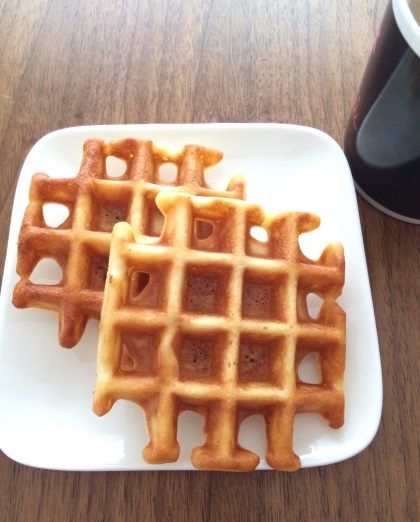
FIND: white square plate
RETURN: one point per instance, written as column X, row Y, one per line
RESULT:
column 46, row 417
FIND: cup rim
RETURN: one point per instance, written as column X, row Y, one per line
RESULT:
column 407, row 24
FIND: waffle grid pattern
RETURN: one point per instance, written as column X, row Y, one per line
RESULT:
column 217, row 323
column 96, row 201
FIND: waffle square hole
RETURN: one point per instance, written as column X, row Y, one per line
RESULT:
column 314, row 304
column 253, row 362
column 258, row 243
column 168, row 173
column 139, row 281
column 109, row 215
column 259, row 233
column 214, row 229
column 195, row 358
column 200, row 358
column 138, row 352
column 145, row 289
column 309, row 370
column 106, row 212
column 315, row 290
column 264, row 297
column 203, row 229
column 115, row 167
column 202, row 294
column 97, row 271
column 319, row 361
column 56, row 215
column 261, row 359
column 47, row 272
column 206, row 289
column 256, row 300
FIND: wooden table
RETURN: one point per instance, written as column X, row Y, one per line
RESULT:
column 68, row 63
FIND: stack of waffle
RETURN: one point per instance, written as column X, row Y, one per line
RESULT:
column 195, row 313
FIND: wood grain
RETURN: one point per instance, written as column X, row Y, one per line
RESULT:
column 78, row 62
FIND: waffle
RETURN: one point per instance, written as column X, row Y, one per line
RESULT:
column 96, row 201
column 217, row 323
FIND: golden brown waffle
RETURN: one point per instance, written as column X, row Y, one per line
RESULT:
column 96, row 201
column 217, row 323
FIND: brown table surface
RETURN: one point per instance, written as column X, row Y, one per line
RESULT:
column 66, row 63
